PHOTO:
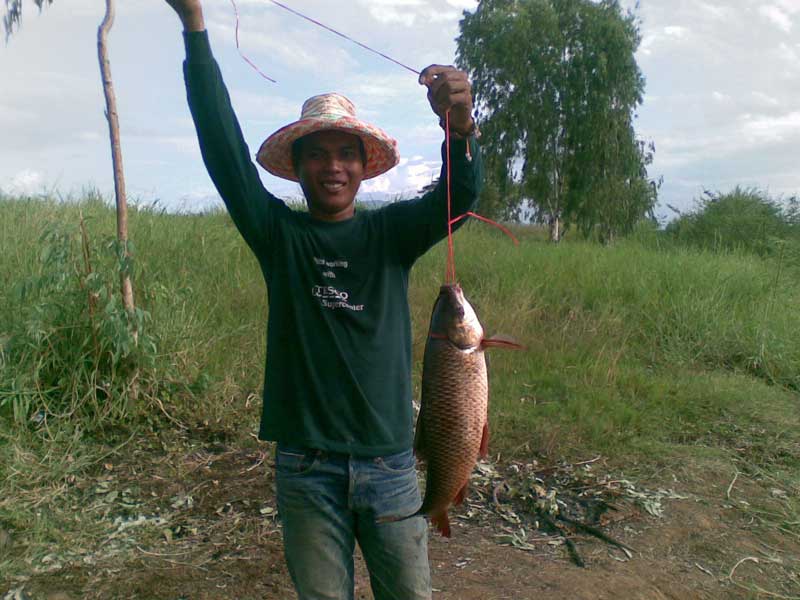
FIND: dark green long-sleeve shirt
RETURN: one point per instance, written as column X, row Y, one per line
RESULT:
column 338, row 372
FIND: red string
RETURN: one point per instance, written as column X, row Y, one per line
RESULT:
column 505, row 230
column 294, row 12
column 450, row 274
column 247, row 60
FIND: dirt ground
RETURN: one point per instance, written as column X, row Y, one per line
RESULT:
column 202, row 524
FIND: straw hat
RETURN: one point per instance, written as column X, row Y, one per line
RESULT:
column 328, row 111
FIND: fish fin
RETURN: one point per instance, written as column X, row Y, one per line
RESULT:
column 501, row 341
column 442, row 523
column 462, row 493
column 484, row 449
column 419, row 439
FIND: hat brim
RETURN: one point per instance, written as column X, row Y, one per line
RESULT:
column 275, row 154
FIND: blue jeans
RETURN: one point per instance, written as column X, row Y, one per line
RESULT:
column 328, row 501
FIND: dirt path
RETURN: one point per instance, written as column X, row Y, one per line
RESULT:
column 202, row 525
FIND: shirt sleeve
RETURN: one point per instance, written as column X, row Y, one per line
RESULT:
column 418, row 224
column 222, row 145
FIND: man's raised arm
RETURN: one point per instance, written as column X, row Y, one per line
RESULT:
column 225, row 153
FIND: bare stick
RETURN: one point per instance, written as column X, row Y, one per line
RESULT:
column 755, row 587
column 730, row 487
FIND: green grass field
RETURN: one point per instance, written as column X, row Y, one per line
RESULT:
column 644, row 351
column 627, row 346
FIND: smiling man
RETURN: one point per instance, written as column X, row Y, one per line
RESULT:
column 330, row 165
column 337, row 385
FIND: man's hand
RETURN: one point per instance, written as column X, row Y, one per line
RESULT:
column 190, row 13
column 449, row 88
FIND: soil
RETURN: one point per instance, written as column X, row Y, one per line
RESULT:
column 219, row 538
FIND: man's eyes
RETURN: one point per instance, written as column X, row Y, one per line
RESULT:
column 344, row 153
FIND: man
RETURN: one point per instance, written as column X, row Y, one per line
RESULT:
column 337, row 387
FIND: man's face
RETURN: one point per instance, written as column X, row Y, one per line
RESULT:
column 330, row 170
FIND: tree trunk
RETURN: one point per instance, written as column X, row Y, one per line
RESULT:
column 555, row 229
column 116, row 154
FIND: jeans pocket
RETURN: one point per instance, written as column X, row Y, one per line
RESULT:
column 402, row 462
column 295, row 461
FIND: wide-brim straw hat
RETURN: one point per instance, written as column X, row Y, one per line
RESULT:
column 325, row 112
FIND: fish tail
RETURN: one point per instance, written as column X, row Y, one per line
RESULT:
column 441, row 521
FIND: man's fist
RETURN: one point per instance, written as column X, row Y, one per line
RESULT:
column 190, row 13
column 449, row 88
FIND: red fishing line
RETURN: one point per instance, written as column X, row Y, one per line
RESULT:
column 450, row 275
column 247, row 60
column 299, row 14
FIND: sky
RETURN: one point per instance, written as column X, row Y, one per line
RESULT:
column 722, row 101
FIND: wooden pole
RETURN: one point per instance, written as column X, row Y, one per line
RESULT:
column 116, row 152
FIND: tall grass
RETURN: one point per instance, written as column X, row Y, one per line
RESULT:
column 641, row 343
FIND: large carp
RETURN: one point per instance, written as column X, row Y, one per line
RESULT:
column 452, row 427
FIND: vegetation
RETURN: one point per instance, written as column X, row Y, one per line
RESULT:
column 557, row 86
column 596, row 320
column 13, row 18
column 743, row 219
column 643, row 351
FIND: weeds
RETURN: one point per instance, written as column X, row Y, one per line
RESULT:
column 646, row 349
column 72, row 352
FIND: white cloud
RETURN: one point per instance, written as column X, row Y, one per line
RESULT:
column 765, row 99
column 382, row 183
column 772, row 129
column 777, row 16
column 264, row 107
column 293, row 51
column 463, row 4
column 790, row 6
column 715, row 11
column 406, row 179
column 789, row 54
column 90, row 136
column 676, row 31
column 25, row 183
column 720, row 97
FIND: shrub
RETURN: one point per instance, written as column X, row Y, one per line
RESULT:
column 743, row 219
column 72, row 350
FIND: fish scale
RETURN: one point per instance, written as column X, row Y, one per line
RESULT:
column 452, row 427
column 455, row 396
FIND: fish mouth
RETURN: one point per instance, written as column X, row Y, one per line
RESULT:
column 455, row 297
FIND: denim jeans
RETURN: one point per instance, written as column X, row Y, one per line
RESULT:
column 328, row 501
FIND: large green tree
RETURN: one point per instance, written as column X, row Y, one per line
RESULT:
column 557, row 86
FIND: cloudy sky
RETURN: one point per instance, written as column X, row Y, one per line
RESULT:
column 723, row 82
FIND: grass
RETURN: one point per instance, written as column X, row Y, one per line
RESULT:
column 642, row 351
column 621, row 340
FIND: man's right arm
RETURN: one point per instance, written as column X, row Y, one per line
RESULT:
column 222, row 144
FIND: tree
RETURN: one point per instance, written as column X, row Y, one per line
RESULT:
column 14, row 14
column 556, row 86
column 11, row 19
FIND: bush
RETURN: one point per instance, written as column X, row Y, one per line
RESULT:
column 743, row 219
column 72, row 350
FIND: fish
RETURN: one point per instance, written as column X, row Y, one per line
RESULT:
column 453, row 424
